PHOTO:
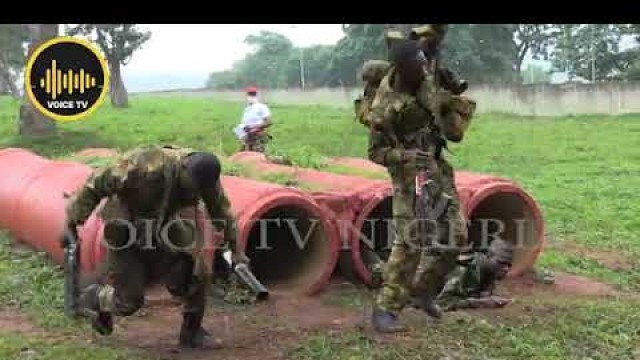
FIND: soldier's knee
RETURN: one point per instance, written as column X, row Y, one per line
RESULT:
column 179, row 278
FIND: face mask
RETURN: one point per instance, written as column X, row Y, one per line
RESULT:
column 251, row 99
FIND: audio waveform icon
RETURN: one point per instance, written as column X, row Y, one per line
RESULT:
column 56, row 81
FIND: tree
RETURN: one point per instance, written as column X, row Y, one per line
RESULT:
column 31, row 121
column 222, row 80
column 531, row 39
column 361, row 42
column 316, row 66
column 592, row 51
column 632, row 73
column 118, row 42
column 12, row 59
column 481, row 52
column 268, row 63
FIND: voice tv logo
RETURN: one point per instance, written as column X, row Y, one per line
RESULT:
column 66, row 78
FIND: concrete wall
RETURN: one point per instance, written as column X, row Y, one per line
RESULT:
column 541, row 100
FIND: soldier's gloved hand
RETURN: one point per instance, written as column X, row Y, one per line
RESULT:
column 239, row 258
column 417, row 157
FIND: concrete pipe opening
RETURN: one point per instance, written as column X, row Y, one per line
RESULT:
column 290, row 248
column 375, row 241
column 494, row 204
column 370, row 239
column 508, row 213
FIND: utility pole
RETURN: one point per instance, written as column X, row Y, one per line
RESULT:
column 593, row 55
column 301, row 61
column 302, row 67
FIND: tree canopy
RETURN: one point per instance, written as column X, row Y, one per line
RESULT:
column 480, row 53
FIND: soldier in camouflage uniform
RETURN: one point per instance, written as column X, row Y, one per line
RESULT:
column 405, row 139
column 472, row 283
column 439, row 92
column 441, row 83
column 152, row 195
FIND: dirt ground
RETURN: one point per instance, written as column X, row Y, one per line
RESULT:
column 614, row 260
column 269, row 330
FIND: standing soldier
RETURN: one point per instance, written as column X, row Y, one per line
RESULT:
column 152, row 195
column 406, row 140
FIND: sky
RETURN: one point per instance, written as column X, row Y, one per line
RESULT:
column 196, row 49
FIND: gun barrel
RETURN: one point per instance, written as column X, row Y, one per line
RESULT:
column 71, row 282
column 250, row 280
column 247, row 277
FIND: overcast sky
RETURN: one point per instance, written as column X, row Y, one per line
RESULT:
column 196, row 49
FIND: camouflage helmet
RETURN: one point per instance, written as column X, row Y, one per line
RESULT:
column 392, row 36
column 374, row 70
column 435, row 31
column 501, row 251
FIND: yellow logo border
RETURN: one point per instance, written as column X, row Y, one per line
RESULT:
column 34, row 56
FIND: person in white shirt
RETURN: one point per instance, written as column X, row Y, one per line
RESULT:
column 255, row 120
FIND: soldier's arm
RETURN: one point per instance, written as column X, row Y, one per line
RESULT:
column 219, row 210
column 381, row 150
column 102, row 183
column 383, row 144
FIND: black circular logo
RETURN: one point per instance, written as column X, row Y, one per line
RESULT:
column 66, row 78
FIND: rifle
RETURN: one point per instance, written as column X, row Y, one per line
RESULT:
column 247, row 277
column 71, row 272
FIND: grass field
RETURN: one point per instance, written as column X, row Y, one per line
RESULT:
column 584, row 172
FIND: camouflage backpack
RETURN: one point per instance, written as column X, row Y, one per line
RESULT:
column 372, row 73
column 456, row 114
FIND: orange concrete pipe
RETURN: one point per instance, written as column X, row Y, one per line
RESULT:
column 482, row 196
column 350, row 201
column 32, row 209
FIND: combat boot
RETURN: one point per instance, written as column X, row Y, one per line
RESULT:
column 432, row 309
column 192, row 335
column 386, row 322
column 89, row 303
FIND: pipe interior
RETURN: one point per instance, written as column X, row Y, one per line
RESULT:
column 288, row 248
column 517, row 219
column 506, row 208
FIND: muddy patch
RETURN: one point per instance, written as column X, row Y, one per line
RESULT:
column 564, row 283
column 263, row 331
column 357, row 163
column 607, row 258
column 14, row 321
column 97, row 152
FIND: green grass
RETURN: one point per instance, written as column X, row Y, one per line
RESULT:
column 16, row 347
column 572, row 329
column 28, row 281
column 625, row 279
column 583, row 171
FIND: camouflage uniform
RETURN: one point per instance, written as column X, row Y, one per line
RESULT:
column 472, row 284
column 151, row 186
column 439, row 92
column 398, row 123
column 373, row 71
